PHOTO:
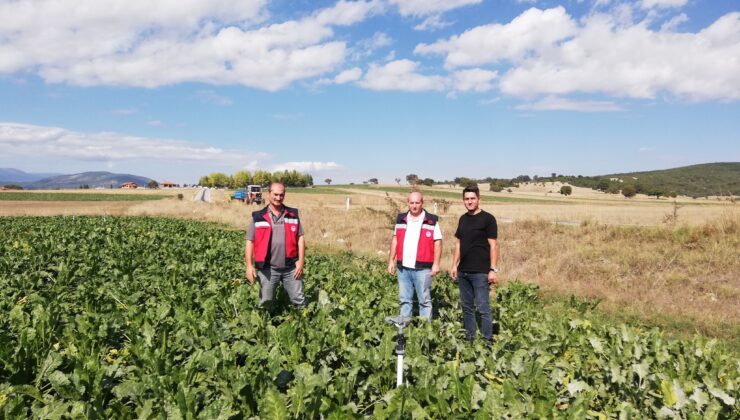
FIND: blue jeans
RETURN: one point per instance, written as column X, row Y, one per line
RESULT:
column 410, row 279
column 474, row 293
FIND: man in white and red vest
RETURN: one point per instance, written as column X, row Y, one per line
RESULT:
column 416, row 249
column 275, row 246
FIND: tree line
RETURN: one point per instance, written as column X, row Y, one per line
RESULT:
column 603, row 184
column 241, row 179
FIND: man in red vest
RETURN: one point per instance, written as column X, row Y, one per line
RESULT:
column 415, row 251
column 275, row 245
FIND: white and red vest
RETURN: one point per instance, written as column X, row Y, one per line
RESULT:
column 425, row 248
column 263, row 234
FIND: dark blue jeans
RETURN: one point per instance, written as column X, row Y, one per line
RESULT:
column 474, row 294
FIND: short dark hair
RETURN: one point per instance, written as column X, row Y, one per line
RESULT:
column 472, row 189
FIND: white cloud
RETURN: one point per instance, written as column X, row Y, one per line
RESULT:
column 378, row 40
column 306, row 166
column 347, row 76
column 140, row 43
column 476, row 80
column 124, row 111
column 646, row 149
column 551, row 54
column 554, row 103
column 533, row 30
column 429, row 7
column 24, row 140
column 432, row 23
column 489, row 101
column 674, row 22
column 400, row 75
column 211, row 97
column 649, row 4
column 156, row 123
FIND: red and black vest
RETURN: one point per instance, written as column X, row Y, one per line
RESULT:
column 263, row 236
column 425, row 248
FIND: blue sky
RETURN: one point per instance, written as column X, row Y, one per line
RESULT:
column 350, row 90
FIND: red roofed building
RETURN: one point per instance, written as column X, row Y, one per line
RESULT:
column 130, row 185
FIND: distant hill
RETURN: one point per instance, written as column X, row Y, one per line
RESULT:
column 14, row 176
column 696, row 180
column 702, row 180
column 91, row 179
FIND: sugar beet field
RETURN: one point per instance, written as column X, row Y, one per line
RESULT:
column 146, row 318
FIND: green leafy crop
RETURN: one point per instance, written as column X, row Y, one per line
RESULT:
column 148, row 318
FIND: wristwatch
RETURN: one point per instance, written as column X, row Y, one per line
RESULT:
column 494, row 269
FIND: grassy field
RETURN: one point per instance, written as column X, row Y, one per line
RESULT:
column 76, row 196
column 683, row 275
column 439, row 193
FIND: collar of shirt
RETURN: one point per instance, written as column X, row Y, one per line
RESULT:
column 417, row 218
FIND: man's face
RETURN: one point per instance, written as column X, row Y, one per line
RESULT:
column 415, row 202
column 471, row 201
column 277, row 195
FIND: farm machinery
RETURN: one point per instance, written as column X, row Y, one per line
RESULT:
column 252, row 194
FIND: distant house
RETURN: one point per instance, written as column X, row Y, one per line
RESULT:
column 130, row 185
column 167, row 184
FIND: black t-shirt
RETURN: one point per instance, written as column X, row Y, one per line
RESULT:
column 473, row 233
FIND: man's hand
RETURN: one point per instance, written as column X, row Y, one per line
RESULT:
column 435, row 269
column 453, row 273
column 391, row 268
column 250, row 274
column 298, row 270
column 492, row 277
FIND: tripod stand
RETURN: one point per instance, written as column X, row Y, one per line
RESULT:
column 399, row 322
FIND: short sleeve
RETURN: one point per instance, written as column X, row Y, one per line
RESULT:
column 458, row 231
column 250, row 230
column 492, row 229
column 437, row 232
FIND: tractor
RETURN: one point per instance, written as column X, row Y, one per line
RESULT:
column 250, row 195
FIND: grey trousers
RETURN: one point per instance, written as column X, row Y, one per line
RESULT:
column 271, row 277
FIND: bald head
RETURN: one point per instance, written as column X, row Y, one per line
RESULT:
column 416, row 202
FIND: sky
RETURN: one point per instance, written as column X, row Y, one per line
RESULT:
column 353, row 90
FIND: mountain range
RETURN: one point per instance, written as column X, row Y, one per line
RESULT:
column 35, row 181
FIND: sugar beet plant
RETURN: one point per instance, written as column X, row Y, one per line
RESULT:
column 147, row 318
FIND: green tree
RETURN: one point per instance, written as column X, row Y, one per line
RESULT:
column 602, row 185
column 242, row 179
column 203, row 181
column 427, row 181
column 629, row 191
column 412, row 179
column 328, row 181
column 218, row 179
column 261, row 177
column 373, row 181
column 152, row 184
column 496, row 187
column 566, row 190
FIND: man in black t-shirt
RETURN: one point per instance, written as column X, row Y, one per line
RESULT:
column 474, row 264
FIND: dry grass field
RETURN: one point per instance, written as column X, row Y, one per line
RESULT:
column 684, row 275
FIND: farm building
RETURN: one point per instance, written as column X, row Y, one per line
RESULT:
column 167, row 184
column 130, row 185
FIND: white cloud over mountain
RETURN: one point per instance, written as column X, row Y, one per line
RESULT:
column 26, row 140
column 140, row 43
column 550, row 53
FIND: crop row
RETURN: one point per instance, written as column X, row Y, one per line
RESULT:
column 148, row 318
